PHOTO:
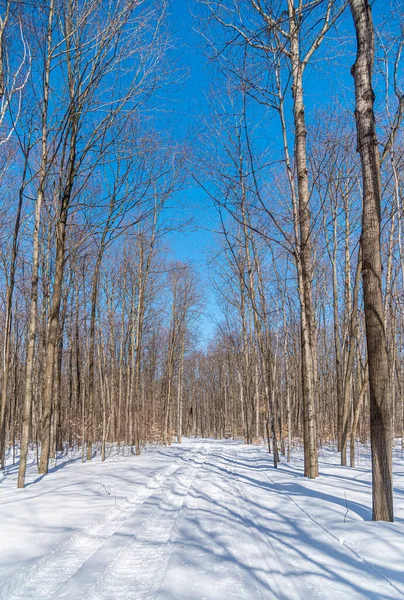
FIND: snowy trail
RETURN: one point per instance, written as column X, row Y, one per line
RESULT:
column 210, row 520
column 40, row 581
column 314, row 559
column 212, row 555
column 369, row 579
column 136, row 570
column 284, row 583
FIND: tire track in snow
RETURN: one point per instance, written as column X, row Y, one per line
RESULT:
column 137, row 571
column 223, row 570
column 213, row 558
column 283, row 585
column 50, row 572
column 235, row 581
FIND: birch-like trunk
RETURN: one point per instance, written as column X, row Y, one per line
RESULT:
column 305, row 265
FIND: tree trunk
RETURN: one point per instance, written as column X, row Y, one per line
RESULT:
column 380, row 409
column 51, row 342
column 355, row 419
column 91, row 355
column 9, row 316
column 305, row 266
column 28, row 396
column 347, row 383
column 179, row 396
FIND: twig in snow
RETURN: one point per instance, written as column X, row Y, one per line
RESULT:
column 347, row 509
column 106, row 488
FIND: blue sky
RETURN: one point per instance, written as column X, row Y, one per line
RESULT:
column 328, row 85
column 190, row 107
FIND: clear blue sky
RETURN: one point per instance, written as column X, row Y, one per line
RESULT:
column 328, row 83
column 188, row 108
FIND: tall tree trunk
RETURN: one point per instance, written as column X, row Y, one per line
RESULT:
column 91, row 355
column 9, row 316
column 58, row 379
column 337, row 343
column 303, row 253
column 307, row 325
column 380, row 404
column 347, row 383
column 28, row 396
column 51, row 342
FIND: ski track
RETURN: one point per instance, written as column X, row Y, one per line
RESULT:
column 137, row 570
column 39, row 580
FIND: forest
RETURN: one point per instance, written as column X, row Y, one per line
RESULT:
column 286, row 149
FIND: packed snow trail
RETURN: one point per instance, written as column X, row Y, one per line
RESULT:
column 68, row 557
column 205, row 520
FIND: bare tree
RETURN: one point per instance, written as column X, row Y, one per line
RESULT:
column 380, row 400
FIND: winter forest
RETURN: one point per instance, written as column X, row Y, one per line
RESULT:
column 201, row 299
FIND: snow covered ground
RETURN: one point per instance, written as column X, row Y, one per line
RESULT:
column 204, row 520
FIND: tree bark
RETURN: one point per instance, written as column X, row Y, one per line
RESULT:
column 380, row 404
column 9, row 316
column 52, row 337
column 28, row 396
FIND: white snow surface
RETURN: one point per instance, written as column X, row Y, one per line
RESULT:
column 206, row 519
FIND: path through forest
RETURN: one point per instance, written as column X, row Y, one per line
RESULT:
column 204, row 520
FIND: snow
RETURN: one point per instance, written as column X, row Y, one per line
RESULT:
column 203, row 520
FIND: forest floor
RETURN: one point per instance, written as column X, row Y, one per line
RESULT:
column 203, row 520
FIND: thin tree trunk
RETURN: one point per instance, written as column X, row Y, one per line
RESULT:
column 347, row 383
column 28, row 396
column 355, row 420
column 52, row 338
column 179, row 396
column 9, row 316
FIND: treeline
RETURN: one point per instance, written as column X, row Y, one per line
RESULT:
column 96, row 317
